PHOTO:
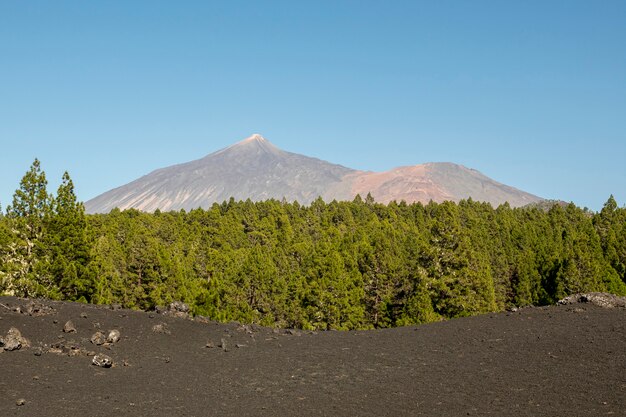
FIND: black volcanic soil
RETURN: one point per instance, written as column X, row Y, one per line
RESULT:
column 555, row 361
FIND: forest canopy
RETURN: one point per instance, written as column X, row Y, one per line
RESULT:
column 337, row 265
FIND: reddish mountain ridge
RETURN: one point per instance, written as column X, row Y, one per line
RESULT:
column 255, row 169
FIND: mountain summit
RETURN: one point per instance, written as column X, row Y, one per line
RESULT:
column 256, row 169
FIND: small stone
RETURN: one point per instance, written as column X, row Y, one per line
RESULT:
column 223, row 345
column 114, row 336
column 102, row 361
column 98, row 338
column 161, row 328
column 239, row 345
column 20, row 402
column 210, row 345
column 116, row 307
column 55, row 321
column 83, row 315
column 14, row 340
column 69, row 327
column 38, row 352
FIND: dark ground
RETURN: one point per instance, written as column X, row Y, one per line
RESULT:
column 565, row 360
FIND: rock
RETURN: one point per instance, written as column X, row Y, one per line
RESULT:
column 102, row 361
column 83, row 315
column 20, row 402
column 114, row 336
column 98, row 338
column 210, row 345
column 69, row 327
column 161, row 328
column 12, row 344
column 37, row 309
column 179, row 306
column 174, row 309
column 115, row 307
column 223, row 345
column 600, row 299
column 14, row 340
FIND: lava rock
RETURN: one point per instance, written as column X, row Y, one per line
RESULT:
column 36, row 309
column 223, row 345
column 600, row 299
column 98, row 338
column 161, row 328
column 102, row 360
column 114, row 336
column 69, row 327
column 14, row 340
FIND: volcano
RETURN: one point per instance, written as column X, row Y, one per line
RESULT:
column 256, row 169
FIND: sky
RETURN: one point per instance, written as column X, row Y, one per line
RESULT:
column 531, row 94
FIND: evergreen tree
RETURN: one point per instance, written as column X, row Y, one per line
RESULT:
column 67, row 243
column 26, row 261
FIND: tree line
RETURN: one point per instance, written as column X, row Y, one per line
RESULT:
column 337, row 265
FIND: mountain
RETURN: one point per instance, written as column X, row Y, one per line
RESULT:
column 256, row 169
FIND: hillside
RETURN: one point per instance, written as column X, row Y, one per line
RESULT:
column 558, row 360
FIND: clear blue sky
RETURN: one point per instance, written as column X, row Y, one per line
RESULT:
column 532, row 93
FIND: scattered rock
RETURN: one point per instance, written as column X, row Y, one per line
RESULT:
column 98, row 338
column 161, row 328
column 202, row 319
column 599, row 299
column 38, row 351
column 239, row 345
column 102, row 360
column 20, row 402
column 210, row 345
column 83, row 315
column 36, row 309
column 115, row 307
column 114, row 336
column 69, row 327
column 223, row 345
column 14, row 340
column 174, row 309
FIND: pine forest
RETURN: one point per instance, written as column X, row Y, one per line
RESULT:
column 328, row 265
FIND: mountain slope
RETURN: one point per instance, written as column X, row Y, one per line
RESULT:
column 256, row 169
column 252, row 168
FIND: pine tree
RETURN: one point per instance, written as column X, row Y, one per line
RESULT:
column 25, row 259
column 67, row 243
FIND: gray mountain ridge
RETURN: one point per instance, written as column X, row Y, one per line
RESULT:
column 255, row 169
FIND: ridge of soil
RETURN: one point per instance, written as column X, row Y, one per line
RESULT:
column 567, row 359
